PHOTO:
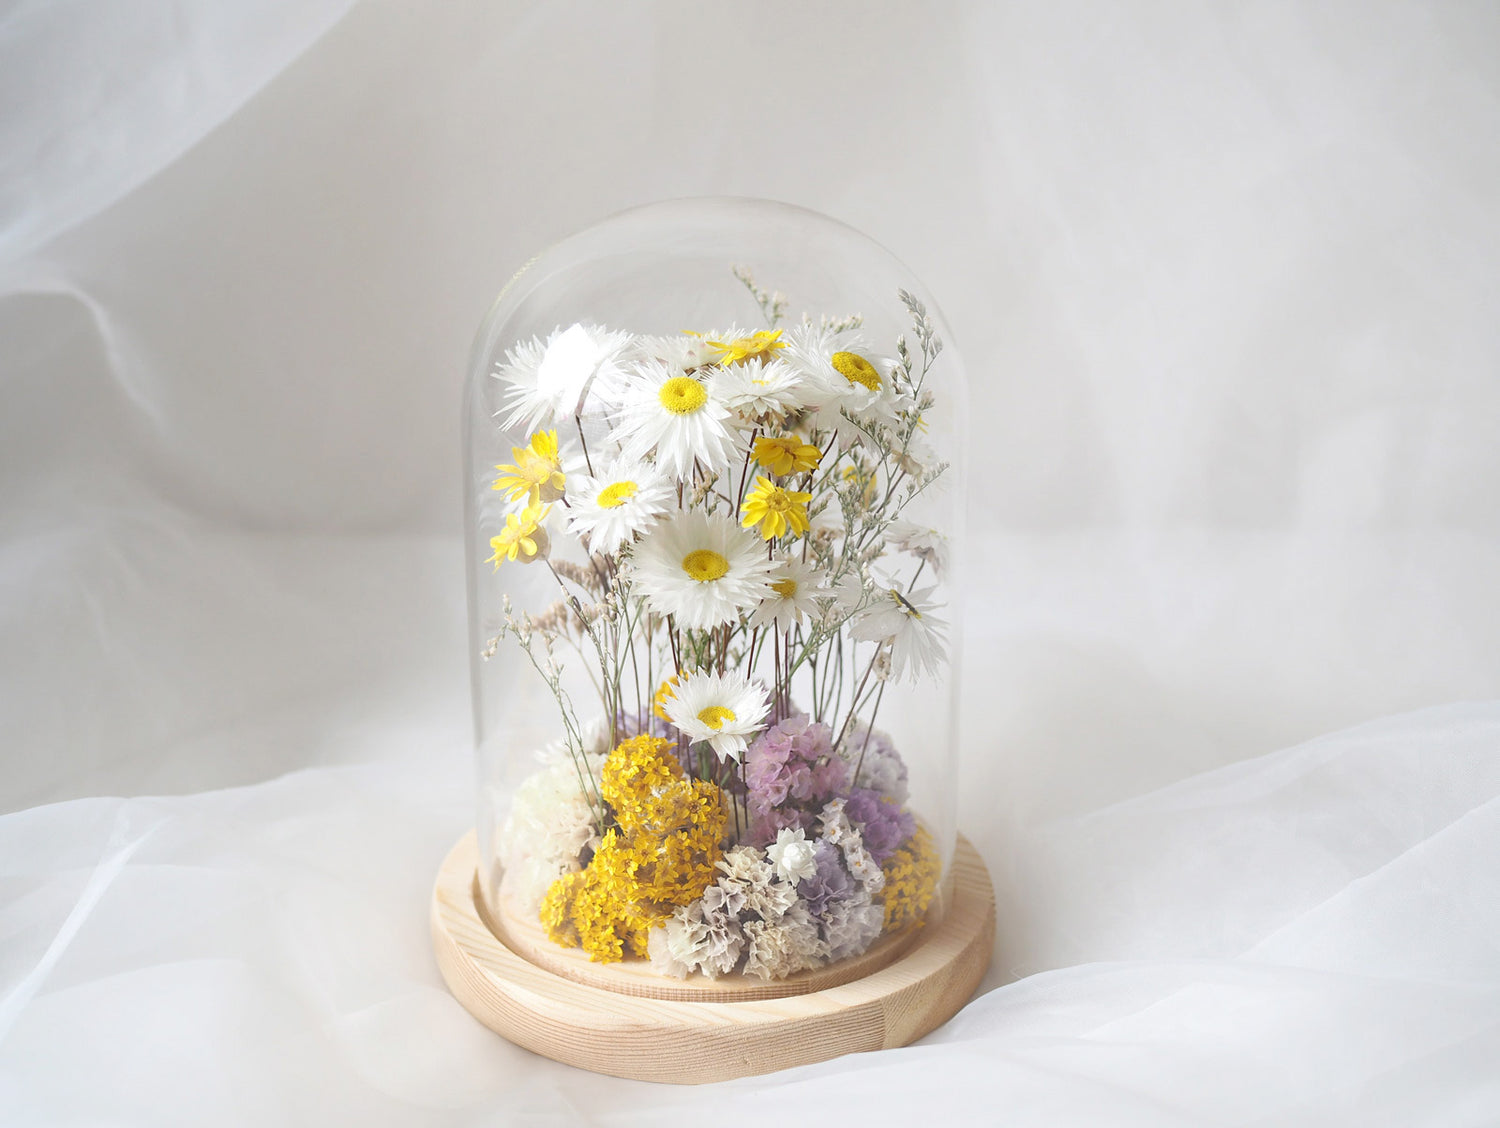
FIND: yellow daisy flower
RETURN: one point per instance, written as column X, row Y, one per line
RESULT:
column 760, row 345
column 786, row 455
column 523, row 537
column 537, row 473
column 775, row 510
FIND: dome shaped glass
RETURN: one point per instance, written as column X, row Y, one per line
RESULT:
column 714, row 458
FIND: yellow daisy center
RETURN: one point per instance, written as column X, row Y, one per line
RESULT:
column 715, row 716
column 906, row 606
column 786, row 588
column 682, row 395
column 615, row 495
column 704, row 564
column 857, row 370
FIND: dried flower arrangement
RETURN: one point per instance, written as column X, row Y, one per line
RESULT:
column 722, row 514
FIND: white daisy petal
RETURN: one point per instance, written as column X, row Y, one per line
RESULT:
column 614, row 507
column 724, row 710
column 701, row 568
column 795, row 589
column 675, row 415
column 552, row 381
column 756, row 391
column 907, row 621
column 841, row 374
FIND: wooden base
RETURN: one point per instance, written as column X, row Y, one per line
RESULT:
column 618, row 1031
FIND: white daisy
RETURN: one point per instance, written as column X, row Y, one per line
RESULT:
column 701, row 568
column 686, row 352
column 548, row 382
column 678, row 416
column 925, row 544
column 795, row 588
column 907, row 622
column 722, row 709
column 758, row 390
column 841, row 373
column 612, row 508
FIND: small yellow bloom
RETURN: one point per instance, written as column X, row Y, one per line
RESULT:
column 523, row 537
column 537, row 473
column 775, row 510
column 760, row 345
column 663, row 693
column 786, row 455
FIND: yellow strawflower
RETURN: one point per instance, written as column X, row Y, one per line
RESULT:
column 523, row 537
column 659, row 698
column 760, row 345
column 786, row 455
column 536, row 474
column 777, row 511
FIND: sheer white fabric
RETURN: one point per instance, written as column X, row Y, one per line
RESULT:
column 1236, row 483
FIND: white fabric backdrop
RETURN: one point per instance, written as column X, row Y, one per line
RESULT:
column 1225, row 276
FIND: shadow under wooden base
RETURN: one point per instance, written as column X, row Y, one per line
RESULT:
column 684, row 1040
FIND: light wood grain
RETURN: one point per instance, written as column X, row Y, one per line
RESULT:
column 688, row 1041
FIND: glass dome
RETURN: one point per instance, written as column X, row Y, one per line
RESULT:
column 714, row 475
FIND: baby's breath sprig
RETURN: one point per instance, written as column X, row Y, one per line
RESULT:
column 772, row 303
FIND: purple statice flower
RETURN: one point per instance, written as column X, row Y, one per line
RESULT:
column 791, row 771
column 831, row 882
column 880, row 765
column 882, row 823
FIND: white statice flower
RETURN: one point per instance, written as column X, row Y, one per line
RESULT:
column 722, row 709
column 624, row 500
column 795, row 590
column 916, row 457
column 926, row 544
column 701, row 568
column 750, row 873
column 758, row 391
column 548, row 381
column 835, row 825
column 851, row 925
column 785, row 946
column 907, row 621
column 551, row 823
column 792, row 855
column 678, row 416
column 696, row 938
column 842, row 374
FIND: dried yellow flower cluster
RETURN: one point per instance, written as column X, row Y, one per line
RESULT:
column 910, row 879
column 662, row 854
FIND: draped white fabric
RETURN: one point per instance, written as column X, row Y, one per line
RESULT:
column 1225, row 276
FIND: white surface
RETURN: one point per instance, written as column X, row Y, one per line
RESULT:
column 1226, row 277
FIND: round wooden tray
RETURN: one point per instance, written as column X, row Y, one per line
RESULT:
column 620, row 1029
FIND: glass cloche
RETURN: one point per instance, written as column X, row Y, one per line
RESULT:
column 714, row 471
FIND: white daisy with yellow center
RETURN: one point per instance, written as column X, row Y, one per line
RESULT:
column 679, row 417
column 841, row 374
column 722, row 710
column 759, row 391
column 552, row 382
column 905, row 620
column 620, row 503
column 795, row 588
column 701, row 568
